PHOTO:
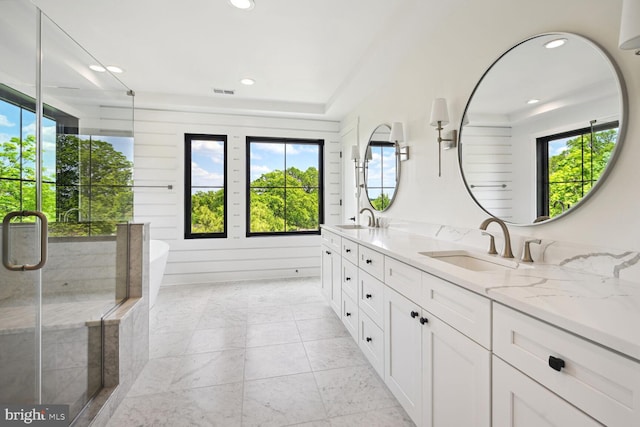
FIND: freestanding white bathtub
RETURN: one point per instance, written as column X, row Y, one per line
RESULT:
column 158, row 254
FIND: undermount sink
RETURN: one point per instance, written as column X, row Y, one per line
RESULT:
column 473, row 261
column 351, row 226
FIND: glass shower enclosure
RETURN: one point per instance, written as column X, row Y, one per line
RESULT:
column 66, row 159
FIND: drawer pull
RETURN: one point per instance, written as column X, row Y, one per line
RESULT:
column 424, row 320
column 369, row 339
column 556, row 363
column 368, row 296
column 347, row 250
column 368, row 261
column 327, row 252
column 347, row 278
column 348, row 314
column 415, row 314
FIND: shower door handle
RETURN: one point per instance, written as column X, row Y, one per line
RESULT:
column 5, row 241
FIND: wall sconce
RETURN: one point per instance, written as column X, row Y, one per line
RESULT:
column 355, row 156
column 630, row 25
column 397, row 136
column 439, row 118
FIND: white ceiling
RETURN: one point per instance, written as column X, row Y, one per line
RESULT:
column 308, row 58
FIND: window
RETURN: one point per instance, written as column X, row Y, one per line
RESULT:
column 569, row 165
column 284, row 179
column 205, row 203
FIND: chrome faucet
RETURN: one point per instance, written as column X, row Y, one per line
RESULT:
column 506, row 253
column 372, row 218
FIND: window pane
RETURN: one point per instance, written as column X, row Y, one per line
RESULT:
column 207, row 211
column 207, row 163
column 267, row 164
column 267, row 210
column 9, row 140
column 389, row 166
column 302, row 164
column 302, row 209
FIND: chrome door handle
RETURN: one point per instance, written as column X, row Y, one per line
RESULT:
column 5, row 241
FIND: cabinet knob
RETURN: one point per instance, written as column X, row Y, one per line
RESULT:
column 369, row 339
column 368, row 296
column 415, row 314
column 328, row 253
column 347, row 278
column 424, row 320
column 348, row 314
column 368, row 261
column 347, row 250
column 556, row 363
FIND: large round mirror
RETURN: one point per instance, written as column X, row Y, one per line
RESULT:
column 382, row 168
column 542, row 128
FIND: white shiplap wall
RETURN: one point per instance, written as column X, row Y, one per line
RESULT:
column 159, row 161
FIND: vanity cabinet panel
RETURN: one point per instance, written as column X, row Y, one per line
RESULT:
column 598, row 381
column 456, row 377
column 350, row 250
column 466, row 311
column 350, row 315
column 403, row 351
column 371, row 342
column 371, row 301
column 519, row 401
column 403, row 278
column 371, row 261
column 332, row 278
column 350, row 279
column 331, row 240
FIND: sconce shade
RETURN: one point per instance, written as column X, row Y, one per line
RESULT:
column 439, row 112
column 397, row 133
column 369, row 154
column 630, row 25
column 355, row 152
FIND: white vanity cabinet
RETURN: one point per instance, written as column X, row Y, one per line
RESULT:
column 440, row 376
column 332, row 270
column 599, row 382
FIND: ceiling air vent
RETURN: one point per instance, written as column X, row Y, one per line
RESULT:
column 224, row 91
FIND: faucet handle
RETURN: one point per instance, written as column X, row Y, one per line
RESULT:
column 492, row 243
column 526, row 250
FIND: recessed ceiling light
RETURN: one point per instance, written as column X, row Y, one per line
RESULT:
column 97, row 68
column 243, row 4
column 114, row 69
column 247, row 81
column 533, row 101
column 555, row 43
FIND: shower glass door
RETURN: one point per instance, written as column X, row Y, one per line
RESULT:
column 66, row 171
column 19, row 289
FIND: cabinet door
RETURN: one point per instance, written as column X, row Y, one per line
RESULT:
column 456, row 377
column 403, row 352
column 327, row 275
column 519, row 401
column 336, row 283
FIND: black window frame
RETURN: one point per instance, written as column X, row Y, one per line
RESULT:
column 298, row 141
column 188, row 139
column 542, row 161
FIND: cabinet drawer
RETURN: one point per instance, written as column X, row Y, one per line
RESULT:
column 467, row 312
column 403, row 278
column 371, row 297
column 371, row 261
column 350, row 279
column 350, row 250
column 350, row 315
column 371, row 343
column 332, row 240
column 598, row 381
column 518, row 401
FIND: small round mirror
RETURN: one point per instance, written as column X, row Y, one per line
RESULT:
column 542, row 128
column 381, row 168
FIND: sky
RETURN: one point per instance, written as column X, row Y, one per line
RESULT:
column 268, row 157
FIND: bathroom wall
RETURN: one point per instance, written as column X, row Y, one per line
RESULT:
column 159, row 162
column 447, row 58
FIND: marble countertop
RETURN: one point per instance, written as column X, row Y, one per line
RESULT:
column 602, row 309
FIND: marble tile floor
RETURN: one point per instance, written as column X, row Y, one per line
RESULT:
column 269, row 353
